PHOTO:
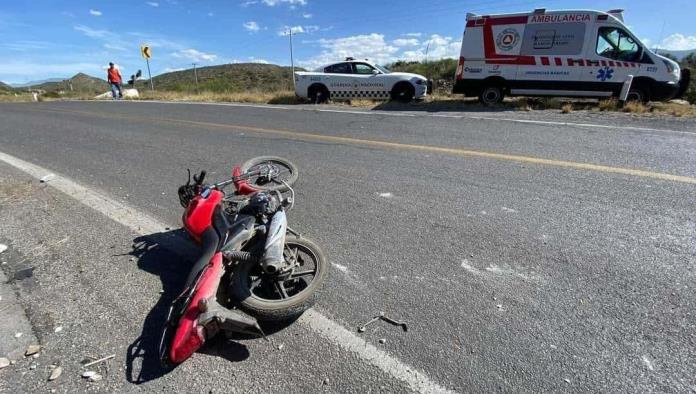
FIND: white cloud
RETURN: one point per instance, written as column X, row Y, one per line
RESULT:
column 678, row 42
column 406, row 42
column 114, row 47
column 248, row 3
column 307, row 16
column 257, row 60
column 273, row 3
column 297, row 29
column 372, row 46
column 412, row 34
column 437, row 47
column 94, row 33
column 95, row 12
column 251, row 26
column 194, row 55
column 152, row 3
column 173, row 69
column 376, row 48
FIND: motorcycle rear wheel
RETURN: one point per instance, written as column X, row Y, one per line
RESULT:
column 285, row 171
column 258, row 293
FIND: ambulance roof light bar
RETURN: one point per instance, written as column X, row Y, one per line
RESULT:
column 540, row 10
column 617, row 13
column 470, row 15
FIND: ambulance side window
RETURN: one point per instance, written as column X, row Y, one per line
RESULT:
column 553, row 39
column 614, row 43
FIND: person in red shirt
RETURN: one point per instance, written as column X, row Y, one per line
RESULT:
column 114, row 78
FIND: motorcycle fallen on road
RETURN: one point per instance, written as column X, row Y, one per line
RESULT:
column 253, row 266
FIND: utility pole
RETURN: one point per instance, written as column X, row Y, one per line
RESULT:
column 292, row 60
column 427, row 48
column 195, row 75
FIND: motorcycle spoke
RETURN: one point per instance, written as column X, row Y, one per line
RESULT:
column 281, row 290
column 299, row 274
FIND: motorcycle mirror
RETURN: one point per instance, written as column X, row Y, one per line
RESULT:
column 188, row 182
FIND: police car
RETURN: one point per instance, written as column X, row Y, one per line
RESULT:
column 352, row 79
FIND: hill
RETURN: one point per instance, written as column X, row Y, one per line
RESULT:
column 32, row 83
column 238, row 77
column 679, row 55
column 79, row 83
column 5, row 87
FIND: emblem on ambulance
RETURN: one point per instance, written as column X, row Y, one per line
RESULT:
column 507, row 39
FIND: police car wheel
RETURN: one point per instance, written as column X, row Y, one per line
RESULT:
column 318, row 94
column 403, row 92
column 491, row 95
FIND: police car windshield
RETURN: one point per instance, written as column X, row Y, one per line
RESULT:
column 382, row 69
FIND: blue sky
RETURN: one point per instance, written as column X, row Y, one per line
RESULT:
column 44, row 39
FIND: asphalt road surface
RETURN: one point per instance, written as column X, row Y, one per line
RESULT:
column 527, row 252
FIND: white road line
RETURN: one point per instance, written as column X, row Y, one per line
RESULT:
column 143, row 224
column 425, row 115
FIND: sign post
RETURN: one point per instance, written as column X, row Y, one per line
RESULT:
column 146, row 51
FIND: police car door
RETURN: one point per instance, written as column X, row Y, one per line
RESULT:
column 613, row 55
column 340, row 80
column 550, row 45
column 367, row 82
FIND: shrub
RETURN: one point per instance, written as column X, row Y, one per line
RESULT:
column 608, row 105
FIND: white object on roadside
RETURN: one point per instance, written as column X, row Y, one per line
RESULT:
column 102, row 96
column 3, row 248
column 131, row 93
column 47, row 178
column 626, row 88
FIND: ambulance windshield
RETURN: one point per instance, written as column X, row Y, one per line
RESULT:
column 614, row 43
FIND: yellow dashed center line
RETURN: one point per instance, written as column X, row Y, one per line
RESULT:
column 401, row 146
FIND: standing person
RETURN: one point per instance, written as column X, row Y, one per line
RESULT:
column 114, row 78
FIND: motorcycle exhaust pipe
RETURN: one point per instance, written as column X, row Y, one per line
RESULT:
column 273, row 261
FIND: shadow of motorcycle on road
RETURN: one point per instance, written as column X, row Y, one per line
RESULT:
column 170, row 256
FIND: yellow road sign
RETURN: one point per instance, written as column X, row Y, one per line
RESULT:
column 146, row 51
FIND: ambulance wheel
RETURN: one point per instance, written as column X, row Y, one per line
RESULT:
column 403, row 92
column 318, row 94
column 637, row 94
column 491, row 95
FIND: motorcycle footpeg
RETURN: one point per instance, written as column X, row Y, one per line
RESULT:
column 219, row 318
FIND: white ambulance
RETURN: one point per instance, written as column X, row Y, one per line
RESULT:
column 574, row 53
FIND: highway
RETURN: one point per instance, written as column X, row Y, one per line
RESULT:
column 527, row 252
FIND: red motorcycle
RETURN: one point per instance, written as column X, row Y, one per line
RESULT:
column 249, row 269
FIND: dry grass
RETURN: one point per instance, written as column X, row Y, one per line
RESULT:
column 285, row 97
column 567, row 108
column 15, row 98
column 608, row 105
column 678, row 110
column 634, row 107
column 523, row 104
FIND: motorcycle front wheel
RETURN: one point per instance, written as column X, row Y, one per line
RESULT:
column 269, row 173
column 272, row 297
